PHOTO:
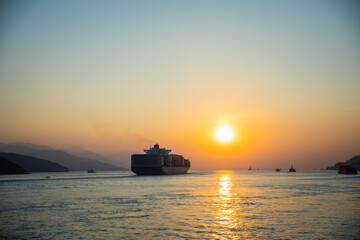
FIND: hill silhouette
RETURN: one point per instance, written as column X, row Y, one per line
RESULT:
column 352, row 162
column 70, row 161
column 17, row 149
column 33, row 164
column 120, row 159
column 75, row 163
column 7, row 167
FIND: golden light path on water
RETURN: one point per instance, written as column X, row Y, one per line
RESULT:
column 225, row 216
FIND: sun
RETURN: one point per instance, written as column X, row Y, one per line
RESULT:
column 224, row 133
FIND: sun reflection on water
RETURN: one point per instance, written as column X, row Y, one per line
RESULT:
column 225, row 222
column 225, row 185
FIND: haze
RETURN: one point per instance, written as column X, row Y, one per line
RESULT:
column 121, row 75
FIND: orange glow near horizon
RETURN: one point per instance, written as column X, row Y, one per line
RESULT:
column 224, row 141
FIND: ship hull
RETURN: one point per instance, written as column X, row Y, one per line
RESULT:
column 159, row 170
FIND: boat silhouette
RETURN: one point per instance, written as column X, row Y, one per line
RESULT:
column 159, row 161
column 292, row 169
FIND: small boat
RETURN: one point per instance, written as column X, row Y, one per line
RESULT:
column 48, row 177
column 250, row 168
column 347, row 170
column 278, row 169
column 91, row 171
column 292, row 169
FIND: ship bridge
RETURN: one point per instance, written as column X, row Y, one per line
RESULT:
column 156, row 150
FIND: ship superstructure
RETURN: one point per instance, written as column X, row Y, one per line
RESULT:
column 159, row 161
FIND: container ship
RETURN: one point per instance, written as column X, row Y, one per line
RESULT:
column 159, row 161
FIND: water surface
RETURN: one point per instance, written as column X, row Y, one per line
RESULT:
column 198, row 205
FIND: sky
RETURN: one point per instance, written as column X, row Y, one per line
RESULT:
column 119, row 75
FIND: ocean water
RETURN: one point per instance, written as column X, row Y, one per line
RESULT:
column 198, row 205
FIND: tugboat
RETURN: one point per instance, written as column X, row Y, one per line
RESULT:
column 158, row 161
column 91, row 171
column 292, row 169
column 347, row 170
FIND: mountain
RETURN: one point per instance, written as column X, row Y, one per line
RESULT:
column 74, row 163
column 10, row 148
column 74, row 149
column 7, row 167
column 87, row 154
column 353, row 162
column 22, row 148
column 33, row 164
column 29, row 145
column 121, row 158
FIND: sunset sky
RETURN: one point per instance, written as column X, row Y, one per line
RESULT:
column 121, row 75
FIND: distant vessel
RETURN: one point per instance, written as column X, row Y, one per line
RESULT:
column 250, row 168
column 292, row 169
column 158, row 161
column 278, row 169
column 347, row 170
column 91, row 171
